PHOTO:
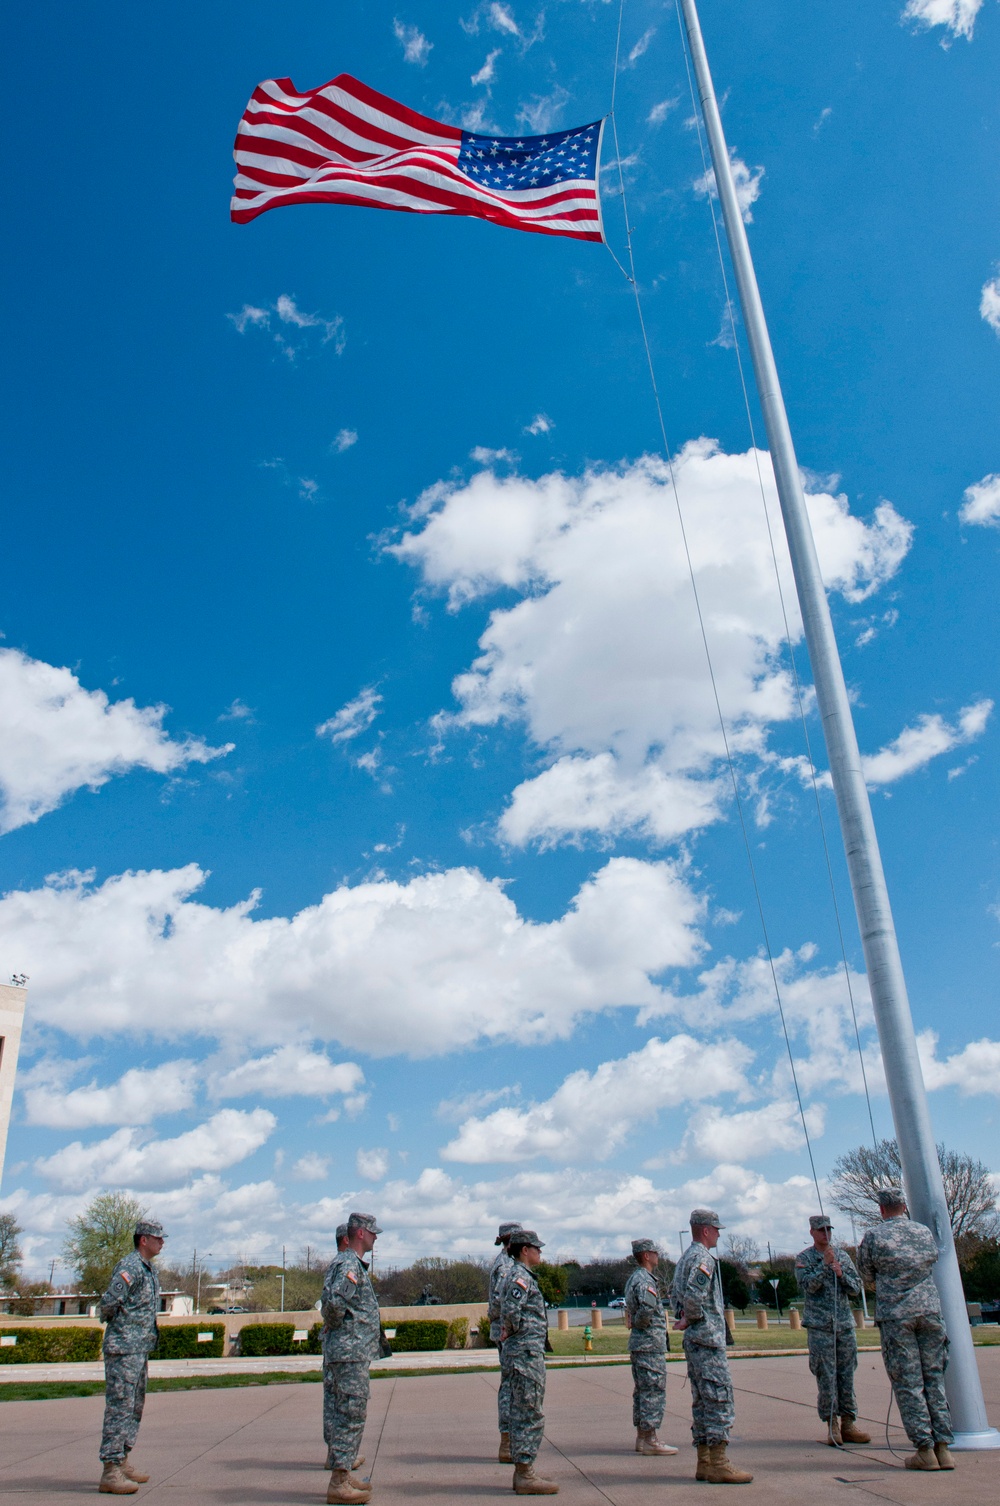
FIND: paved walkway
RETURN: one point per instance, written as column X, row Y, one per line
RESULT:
column 434, row 1437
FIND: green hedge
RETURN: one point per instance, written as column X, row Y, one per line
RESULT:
column 484, row 1333
column 268, row 1338
column 458, row 1333
column 314, row 1343
column 37, row 1346
column 420, row 1333
column 180, row 1342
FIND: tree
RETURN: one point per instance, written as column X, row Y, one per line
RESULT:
column 981, row 1276
column 553, row 1281
column 10, row 1249
column 100, row 1236
column 968, row 1189
column 788, row 1287
column 735, row 1287
column 741, row 1252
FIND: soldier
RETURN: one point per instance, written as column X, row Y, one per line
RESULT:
column 827, row 1278
column 129, row 1308
column 647, row 1347
column 900, row 1255
column 499, row 1271
column 697, row 1298
column 524, row 1328
column 350, row 1343
column 342, row 1245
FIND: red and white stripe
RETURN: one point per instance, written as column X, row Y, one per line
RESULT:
column 344, row 143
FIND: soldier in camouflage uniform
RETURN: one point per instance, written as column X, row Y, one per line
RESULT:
column 499, row 1271
column 647, row 1347
column 697, row 1299
column 524, row 1328
column 827, row 1279
column 900, row 1255
column 129, row 1308
column 350, row 1343
column 342, row 1245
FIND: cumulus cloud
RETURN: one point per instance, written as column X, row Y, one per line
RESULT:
column 601, row 657
column 981, row 503
column 746, row 181
column 591, row 1115
column 312, row 1167
column 989, row 304
column 281, row 318
column 353, row 719
column 973, row 1070
column 434, row 964
column 59, row 737
column 344, row 440
column 125, row 1159
column 929, row 738
column 715, row 1135
column 416, row 48
column 959, row 16
column 138, row 1097
column 291, row 1071
column 540, row 424
column 372, row 1164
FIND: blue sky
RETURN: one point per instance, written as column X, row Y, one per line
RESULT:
column 366, row 835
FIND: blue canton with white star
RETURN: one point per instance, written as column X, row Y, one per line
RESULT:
column 508, row 163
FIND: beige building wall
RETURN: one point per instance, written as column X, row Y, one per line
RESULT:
column 12, row 1002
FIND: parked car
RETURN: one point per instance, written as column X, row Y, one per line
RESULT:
column 617, row 1302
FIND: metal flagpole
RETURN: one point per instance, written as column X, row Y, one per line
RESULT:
column 907, row 1096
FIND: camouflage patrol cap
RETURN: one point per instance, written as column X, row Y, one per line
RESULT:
column 705, row 1216
column 819, row 1221
column 890, row 1197
column 503, row 1232
column 643, row 1247
column 363, row 1221
column 150, row 1228
column 521, row 1237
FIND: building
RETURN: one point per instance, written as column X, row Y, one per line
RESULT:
column 13, row 997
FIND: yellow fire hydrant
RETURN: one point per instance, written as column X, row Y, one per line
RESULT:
column 588, row 1340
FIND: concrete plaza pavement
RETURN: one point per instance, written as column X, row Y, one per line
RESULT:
column 434, row 1437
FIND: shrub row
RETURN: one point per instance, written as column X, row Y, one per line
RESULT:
column 180, row 1342
column 39, row 1346
column 420, row 1333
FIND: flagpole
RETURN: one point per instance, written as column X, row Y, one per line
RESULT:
column 907, row 1095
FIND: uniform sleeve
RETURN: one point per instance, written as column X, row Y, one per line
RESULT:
column 646, row 1301
column 340, row 1291
column 696, row 1289
column 866, row 1265
column 512, row 1306
column 809, row 1279
column 850, row 1279
column 116, row 1296
column 496, row 1283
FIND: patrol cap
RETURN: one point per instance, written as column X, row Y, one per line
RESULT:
column 150, row 1228
column 706, row 1216
column 890, row 1197
column 521, row 1237
column 503, row 1231
column 819, row 1221
column 363, row 1221
column 341, row 1232
column 644, row 1246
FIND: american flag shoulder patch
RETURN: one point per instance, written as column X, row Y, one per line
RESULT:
column 351, row 1277
column 125, row 1277
column 521, row 1283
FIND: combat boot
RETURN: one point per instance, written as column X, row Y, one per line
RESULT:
column 851, row 1433
column 702, row 1465
column 646, row 1442
column 944, row 1456
column 719, row 1469
column 504, row 1455
column 342, row 1489
column 131, row 1473
column 527, row 1483
column 924, row 1458
column 114, row 1483
column 834, row 1436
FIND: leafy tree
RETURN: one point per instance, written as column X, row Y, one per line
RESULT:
column 450, row 1280
column 553, row 1282
column 735, row 1287
column 788, row 1288
column 981, row 1275
column 100, row 1236
column 10, row 1249
column 25, row 1303
column 302, row 1288
column 968, row 1188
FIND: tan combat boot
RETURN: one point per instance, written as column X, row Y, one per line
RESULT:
column 944, row 1456
column 114, row 1483
column 834, row 1436
column 646, row 1442
column 924, row 1458
column 503, row 1453
column 131, row 1473
column 851, row 1433
column 342, row 1489
column 721, row 1471
column 527, row 1483
column 703, row 1461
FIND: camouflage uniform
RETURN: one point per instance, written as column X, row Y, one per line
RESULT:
column 499, row 1274
column 900, row 1255
column 647, row 1347
column 350, row 1343
column 833, row 1347
column 525, row 1325
column 129, row 1308
column 696, row 1294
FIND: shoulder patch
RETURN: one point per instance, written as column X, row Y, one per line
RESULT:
column 351, row 1276
column 702, row 1266
column 125, row 1277
column 519, row 1281
column 651, row 1289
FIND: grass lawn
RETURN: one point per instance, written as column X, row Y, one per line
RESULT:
column 748, row 1336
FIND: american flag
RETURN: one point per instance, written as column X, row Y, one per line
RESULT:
column 343, row 143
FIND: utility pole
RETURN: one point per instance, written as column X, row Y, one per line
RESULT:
column 907, row 1095
column 282, row 1278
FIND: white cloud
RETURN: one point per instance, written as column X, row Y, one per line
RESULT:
column 542, row 112
column 660, row 111
column 929, row 738
column 138, row 1097
column 291, row 1071
column 981, row 504
column 487, row 71
column 501, row 18
column 344, row 440
column 353, row 718
column 125, row 1159
column 641, row 46
column 989, row 304
column 717, row 1136
column 287, row 312
column 540, row 424
column 415, row 45
column 483, row 455
column 372, row 1164
column 591, row 1115
column 311, row 1167
column 236, row 711
column 434, row 964
column 59, row 737
column 601, row 658
column 746, row 181
column 959, row 16
column 973, row 1070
